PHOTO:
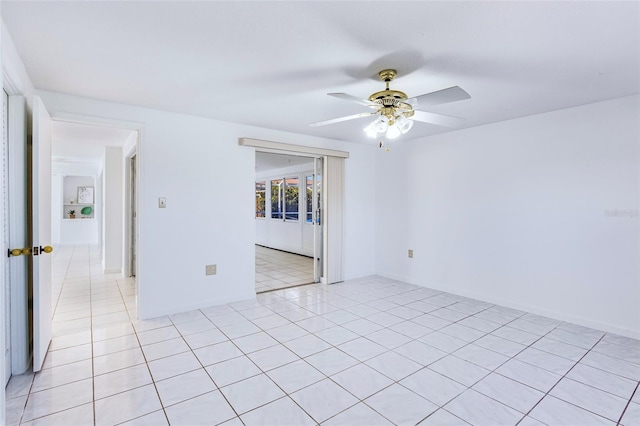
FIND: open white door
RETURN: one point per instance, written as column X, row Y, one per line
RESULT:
column 41, row 231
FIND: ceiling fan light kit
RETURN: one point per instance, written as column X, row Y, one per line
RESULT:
column 396, row 111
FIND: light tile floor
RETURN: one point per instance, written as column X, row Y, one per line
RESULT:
column 365, row 352
column 277, row 269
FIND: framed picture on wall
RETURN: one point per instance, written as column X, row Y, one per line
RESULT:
column 85, row 195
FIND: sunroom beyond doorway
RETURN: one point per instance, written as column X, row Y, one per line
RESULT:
column 276, row 269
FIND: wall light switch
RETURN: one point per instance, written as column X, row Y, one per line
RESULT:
column 162, row 202
column 410, row 254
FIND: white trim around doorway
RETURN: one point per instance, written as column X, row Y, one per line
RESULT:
column 333, row 199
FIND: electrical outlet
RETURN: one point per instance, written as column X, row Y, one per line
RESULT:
column 410, row 254
column 211, row 270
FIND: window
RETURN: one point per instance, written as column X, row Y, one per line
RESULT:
column 309, row 205
column 285, row 198
column 261, row 198
column 276, row 198
column 292, row 197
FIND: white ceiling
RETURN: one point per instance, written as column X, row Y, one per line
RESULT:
column 80, row 143
column 270, row 64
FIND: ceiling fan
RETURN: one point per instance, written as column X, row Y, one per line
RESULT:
column 397, row 111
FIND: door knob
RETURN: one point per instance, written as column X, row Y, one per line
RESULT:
column 18, row 252
column 46, row 249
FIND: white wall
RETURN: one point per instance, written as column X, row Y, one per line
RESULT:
column 113, row 220
column 291, row 236
column 78, row 231
column 197, row 164
column 68, row 231
column 70, row 189
column 517, row 213
column 57, row 183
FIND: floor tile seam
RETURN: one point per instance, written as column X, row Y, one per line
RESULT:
column 22, row 420
column 557, row 339
column 404, row 387
column 324, row 376
column 286, row 395
column 530, row 346
column 633, row 346
column 548, row 392
column 358, row 401
column 93, row 382
column 361, row 402
column 32, row 391
column 120, row 392
column 490, row 371
column 575, row 379
column 144, row 415
column 24, row 405
column 525, row 414
column 60, row 294
column 304, row 359
column 525, row 346
column 444, row 409
column 617, row 357
column 629, row 402
column 599, row 389
column 218, row 388
column 575, row 363
column 146, row 362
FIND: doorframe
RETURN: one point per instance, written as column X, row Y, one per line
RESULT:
column 332, row 200
column 301, row 172
column 133, row 149
column 128, row 210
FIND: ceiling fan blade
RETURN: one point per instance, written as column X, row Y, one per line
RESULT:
column 351, row 98
column 439, row 119
column 452, row 94
column 340, row 119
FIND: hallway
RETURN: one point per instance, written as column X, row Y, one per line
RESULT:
column 87, row 298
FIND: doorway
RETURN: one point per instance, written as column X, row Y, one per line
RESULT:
column 107, row 154
column 288, row 202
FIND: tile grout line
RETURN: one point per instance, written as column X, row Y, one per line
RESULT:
column 93, row 375
column 629, row 402
column 547, row 393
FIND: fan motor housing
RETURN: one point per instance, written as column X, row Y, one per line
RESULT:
column 391, row 101
column 388, row 97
